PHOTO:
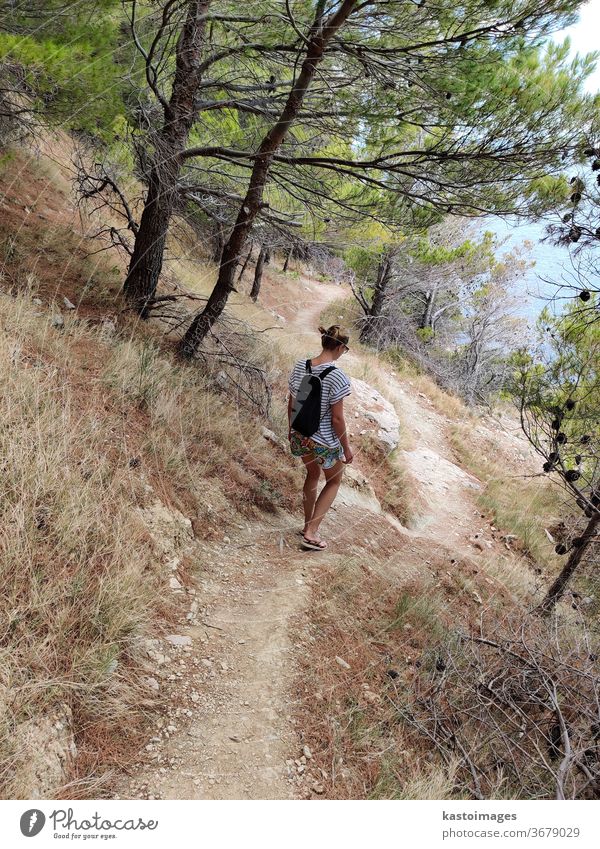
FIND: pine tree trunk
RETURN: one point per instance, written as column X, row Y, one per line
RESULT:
column 179, row 114
column 218, row 242
column 426, row 317
column 319, row 36
column 288, row 256
column 558, row 587
column 258, row 273
column 147, row 258
column 245, row 265
column 370, row 327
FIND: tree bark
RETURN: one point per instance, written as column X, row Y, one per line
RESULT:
column 369, row 329
column 288, row 256
column 179, row 115
column 558, row 587
column 317, row 40
column 427, row 313
column 245, row 265
column 258, row 272
column 218, row 242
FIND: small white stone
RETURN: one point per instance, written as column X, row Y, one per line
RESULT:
column 178, row 640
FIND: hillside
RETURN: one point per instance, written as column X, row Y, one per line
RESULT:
column 167, row 637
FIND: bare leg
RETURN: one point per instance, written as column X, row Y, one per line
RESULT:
column 309, row 493
column 333, row 478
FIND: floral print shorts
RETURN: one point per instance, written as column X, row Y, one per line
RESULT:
column 324, row 456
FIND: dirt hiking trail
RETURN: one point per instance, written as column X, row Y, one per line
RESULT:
column 227, row 676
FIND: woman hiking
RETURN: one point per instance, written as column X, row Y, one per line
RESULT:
column 327, row 448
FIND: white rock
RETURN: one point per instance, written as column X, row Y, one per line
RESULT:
column 44, row 749
column 67, row 303
column 368, row 402
column 179, row 640
column 272, row 437
column 342, row 662
column 372, row 698
column 171, row 531
column 109, row 328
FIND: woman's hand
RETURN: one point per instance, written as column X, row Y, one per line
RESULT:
column 348, row 456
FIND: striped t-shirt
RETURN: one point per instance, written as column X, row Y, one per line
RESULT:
column 336, row 386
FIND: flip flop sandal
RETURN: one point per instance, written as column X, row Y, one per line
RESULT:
column 313, row 545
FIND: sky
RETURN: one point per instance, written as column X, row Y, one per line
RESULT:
column 584, row 38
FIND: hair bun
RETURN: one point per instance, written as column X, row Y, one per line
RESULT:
column 333, row 336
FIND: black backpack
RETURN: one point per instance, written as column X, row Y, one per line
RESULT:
column 306, row 412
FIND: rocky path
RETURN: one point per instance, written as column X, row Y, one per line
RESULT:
column 447, row 513
column 229, row 730
column 226, row 675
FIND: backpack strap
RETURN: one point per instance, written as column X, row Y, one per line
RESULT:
column 323, row 374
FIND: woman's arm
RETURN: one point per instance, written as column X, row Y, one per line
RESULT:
column 339, row 426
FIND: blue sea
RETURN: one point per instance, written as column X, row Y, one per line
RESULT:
column 552, row 264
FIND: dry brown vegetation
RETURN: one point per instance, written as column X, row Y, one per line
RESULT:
column 98, row 416
column 450, row 692
column 95, row 410
column 520, row 501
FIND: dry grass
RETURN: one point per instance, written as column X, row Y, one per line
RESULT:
column 398, row 780
column 396, row 626
column 78, row 579
column 345, row 312
column 86, row 422
column 519, row 505
column 392, row 484
column 385, row 620
column 90, row 416
column 88, row 419
column 444, row 402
